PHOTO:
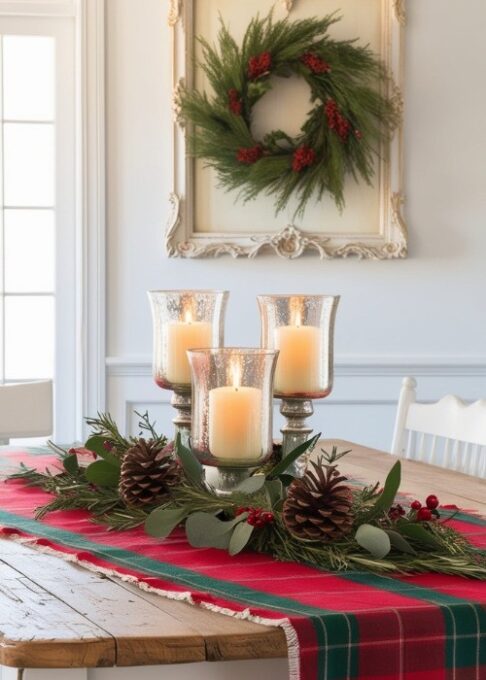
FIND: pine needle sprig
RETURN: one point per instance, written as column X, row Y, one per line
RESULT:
column 104, row 426
column 81, row 497
column 458, row 557
column 122, row 518
column 146, row 425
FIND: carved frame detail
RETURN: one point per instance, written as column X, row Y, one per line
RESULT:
column 290, row 242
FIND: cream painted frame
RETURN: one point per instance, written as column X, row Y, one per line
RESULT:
column 387, row 242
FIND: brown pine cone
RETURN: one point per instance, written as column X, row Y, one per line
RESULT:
column 147, row 473
column 318, row 506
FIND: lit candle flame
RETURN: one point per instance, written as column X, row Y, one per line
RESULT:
column 235, row 370
column 188, row 312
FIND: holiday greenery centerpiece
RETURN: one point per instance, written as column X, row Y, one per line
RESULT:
column 322, row 519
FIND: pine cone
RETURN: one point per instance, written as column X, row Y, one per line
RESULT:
column 147, row 473
column 318, row 506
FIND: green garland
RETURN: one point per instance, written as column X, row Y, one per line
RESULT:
column 347, row 126
column 385, row 537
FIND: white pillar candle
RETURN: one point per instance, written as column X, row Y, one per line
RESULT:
column 235, row 421
column 299, row 362
column 181, row 336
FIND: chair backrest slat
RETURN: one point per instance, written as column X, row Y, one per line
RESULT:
column 25, row 409
column 462, row 427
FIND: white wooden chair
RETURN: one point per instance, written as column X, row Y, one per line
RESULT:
column 449, row 433
column 25, row 410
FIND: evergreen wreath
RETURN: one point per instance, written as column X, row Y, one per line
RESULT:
column 344, row 131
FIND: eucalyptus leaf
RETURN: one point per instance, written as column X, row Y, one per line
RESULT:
column 240, row 537
column 70, row 463
column 102, row 473
column 251, row 485
column 162, row 521
column 399, row 542
column 192, row 467
column 286, row 479
column 418, row 533
column 281, row 466
column 204, row 530
column 96, row 445
column 374, row 540
column 387, row 496
column 274, row 491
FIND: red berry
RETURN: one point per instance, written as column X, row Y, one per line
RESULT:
column 249, row 155
column 432, row 502
column 259, row 65
column 315, row 63
column 72, row 450
column 251, row 520
column 424, row 515
column 107, row 445
column 416, row 505
column 259, row 523
column 236, row 106
column 303, row 157
column 234, row 101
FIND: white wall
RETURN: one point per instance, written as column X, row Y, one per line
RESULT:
column 425, row 315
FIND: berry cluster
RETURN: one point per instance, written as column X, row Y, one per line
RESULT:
column 336, row 121
column 315, row 63
column 303, row 157
column 257, row 517
column 427, row 512
column 249, row 154
column 259, row 65
column 235, row 102
column 395, row 512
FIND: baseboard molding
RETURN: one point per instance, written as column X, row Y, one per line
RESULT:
column 352, row 366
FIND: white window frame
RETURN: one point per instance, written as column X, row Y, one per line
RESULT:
column 80, row 376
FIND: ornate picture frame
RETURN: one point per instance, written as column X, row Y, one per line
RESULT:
column 385, row 240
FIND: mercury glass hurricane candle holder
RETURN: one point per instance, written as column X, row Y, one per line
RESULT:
column 301, row 327
column 231, row 431
column 182, row 320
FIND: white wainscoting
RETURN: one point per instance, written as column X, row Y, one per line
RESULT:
column 361, row 407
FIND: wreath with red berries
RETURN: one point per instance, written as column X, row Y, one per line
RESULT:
column 350, row 120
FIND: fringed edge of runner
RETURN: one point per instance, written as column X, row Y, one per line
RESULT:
column 291, row 637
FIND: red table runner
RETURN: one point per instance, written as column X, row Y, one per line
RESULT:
column 354, row 625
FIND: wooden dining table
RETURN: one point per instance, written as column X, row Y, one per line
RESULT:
column 57, row 615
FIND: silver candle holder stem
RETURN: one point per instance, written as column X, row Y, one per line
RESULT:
column 224, row 481
column 181, row 402
column 296, row 431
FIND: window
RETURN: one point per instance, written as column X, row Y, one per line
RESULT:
column 38, row 208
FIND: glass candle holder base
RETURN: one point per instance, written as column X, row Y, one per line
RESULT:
column 296, row 431
column 181, row 401
column 223, row 481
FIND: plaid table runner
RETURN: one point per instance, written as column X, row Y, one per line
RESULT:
column 354, row 626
